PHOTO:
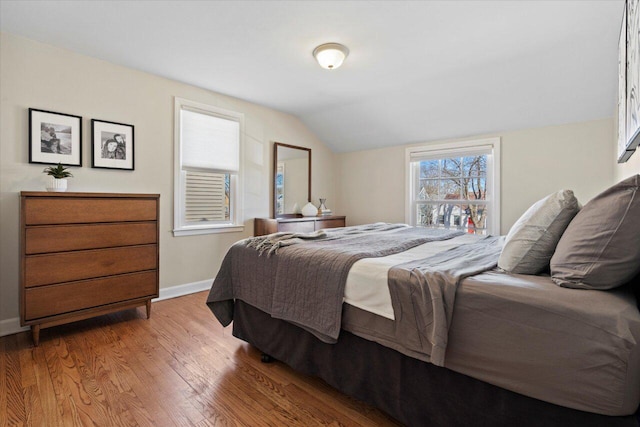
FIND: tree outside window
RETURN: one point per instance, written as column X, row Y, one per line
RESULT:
column 455, row 189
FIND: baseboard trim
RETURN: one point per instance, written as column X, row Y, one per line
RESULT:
column 12, row 326
column 186, row 289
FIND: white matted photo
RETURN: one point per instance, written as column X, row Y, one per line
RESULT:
column 112, row 145
column 55, row 138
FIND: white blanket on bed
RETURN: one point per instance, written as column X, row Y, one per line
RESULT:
column 367, row 286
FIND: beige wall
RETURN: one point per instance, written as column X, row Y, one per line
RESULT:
column 630, row 167
column 535, row 162
column 40, row 76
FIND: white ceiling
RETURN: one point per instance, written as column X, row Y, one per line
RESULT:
column 417, row 70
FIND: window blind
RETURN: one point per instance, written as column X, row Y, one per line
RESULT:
column 209, row 142
column 418, row 156
column 205, row 197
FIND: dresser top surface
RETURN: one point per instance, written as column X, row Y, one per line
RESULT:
column 305, row 218
column 70, row 194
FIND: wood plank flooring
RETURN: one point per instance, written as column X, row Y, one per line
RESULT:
column 179, row 368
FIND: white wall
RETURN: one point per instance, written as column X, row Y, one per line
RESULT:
column 36, row 75
column 535, row 162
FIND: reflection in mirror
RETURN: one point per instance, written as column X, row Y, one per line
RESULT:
column 292, row 179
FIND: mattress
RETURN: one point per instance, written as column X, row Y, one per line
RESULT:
column 575, row 348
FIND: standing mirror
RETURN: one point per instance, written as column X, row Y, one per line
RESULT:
column 291, row 179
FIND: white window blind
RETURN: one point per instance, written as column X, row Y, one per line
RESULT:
column 209, row 142
column 420, row 155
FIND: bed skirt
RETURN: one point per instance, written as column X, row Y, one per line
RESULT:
column 415, row 393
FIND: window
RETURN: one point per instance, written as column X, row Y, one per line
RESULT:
column 455, row 186
column 207, row 177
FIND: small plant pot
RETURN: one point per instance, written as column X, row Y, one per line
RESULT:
column 58, row 185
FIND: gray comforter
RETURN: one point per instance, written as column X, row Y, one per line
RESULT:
column 303, row 283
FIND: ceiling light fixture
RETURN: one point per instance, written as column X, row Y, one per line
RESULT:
column 330, row 55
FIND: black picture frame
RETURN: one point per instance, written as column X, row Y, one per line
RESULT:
column 112, row 145
column 55, row 138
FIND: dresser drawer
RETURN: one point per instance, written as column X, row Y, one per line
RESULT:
column 69, row 266
column 329, row 223
column 62, row 238
column 51, row 300
column 296, row 226
column 56, row 210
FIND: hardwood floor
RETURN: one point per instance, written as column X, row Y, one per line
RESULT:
column 179, row 368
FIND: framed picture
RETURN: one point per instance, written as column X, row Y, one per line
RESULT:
column 623, row 156
column 55, row 138
column 629, row 82
column 633, row 74
column 112, row 145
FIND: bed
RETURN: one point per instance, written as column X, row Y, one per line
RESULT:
column 422, row 324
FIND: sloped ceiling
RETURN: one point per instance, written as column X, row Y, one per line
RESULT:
column 417, row 71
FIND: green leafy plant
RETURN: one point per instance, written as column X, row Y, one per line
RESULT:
column 58, row 171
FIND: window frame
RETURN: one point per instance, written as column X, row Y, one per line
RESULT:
column 460, row 148
column 180, row 228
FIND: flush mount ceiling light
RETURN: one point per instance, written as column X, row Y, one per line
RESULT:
column 330, row 55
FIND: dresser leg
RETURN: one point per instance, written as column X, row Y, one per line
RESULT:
column 148, row 308
column 35, row 334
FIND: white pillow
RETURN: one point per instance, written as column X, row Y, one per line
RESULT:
column 532, row 240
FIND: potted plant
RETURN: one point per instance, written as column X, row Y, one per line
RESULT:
column 58, row 180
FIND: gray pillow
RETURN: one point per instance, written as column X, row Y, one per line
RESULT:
column 601, row 247
column 530, row 243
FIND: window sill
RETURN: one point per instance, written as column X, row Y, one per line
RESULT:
column 193, row 231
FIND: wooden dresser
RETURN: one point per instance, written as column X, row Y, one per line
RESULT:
column 262, row 226
column 86, row 254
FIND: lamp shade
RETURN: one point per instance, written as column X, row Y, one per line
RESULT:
column 330, row 55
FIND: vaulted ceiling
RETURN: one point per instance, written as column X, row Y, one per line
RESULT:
column 417, row 70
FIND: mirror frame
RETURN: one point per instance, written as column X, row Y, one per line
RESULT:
column 275, row 171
